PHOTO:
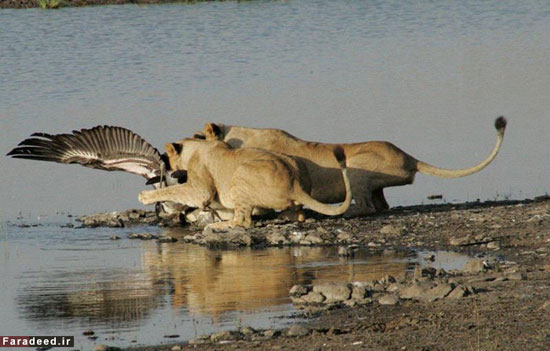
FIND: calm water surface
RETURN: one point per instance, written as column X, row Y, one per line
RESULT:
column 62, row 281
column 428, row 76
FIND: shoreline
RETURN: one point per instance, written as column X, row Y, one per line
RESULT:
column 27, row 4
column 500, row 301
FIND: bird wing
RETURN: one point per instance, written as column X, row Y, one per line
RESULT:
column 103, row 147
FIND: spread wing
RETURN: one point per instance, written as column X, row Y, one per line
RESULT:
column 102, row 147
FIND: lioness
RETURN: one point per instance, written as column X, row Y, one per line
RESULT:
column 241, row 179
column 372, row 165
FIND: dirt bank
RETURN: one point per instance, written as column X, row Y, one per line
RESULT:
column 503, row 303
column 25, row 4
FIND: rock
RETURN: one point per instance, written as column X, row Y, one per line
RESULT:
column 202, row 339
column 171, row 336
column 314, row 239
column 277, row 238
column 333, row 292
column 463, row 241
column 394, row 287
column 457, row 293
column 417, row 272
column 437, row 293
column 388, row 299
column 429, row 258
column 114, row 237
column 474, row 266
column 298, row 290
column 233, row 237
column 247, row 331
column 88, row 332
column 359, row 293
column 391, row 230
column 103, row 347
column 200, row 218
column 344, row 237
column 176, row 348
column 415, row 291
column 297, row 330
column 166, row 239
column 517, row 276
column 493, row 245
column 313, row 297
column 142, row 236
column 270, row 333
column 226, row 335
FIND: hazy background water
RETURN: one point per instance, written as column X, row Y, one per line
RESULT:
column 428, row 76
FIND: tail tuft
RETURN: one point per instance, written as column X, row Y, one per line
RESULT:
column 340, row 156
column 500, row 123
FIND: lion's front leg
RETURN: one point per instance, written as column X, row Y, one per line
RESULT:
column 184, row 194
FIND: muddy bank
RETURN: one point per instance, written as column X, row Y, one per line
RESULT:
column 500, row 301
column 24, row 4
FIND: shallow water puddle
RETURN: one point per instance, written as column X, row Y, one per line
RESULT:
column 61, row 281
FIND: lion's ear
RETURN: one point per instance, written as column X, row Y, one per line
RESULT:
column 173, row 149
column 212, row 131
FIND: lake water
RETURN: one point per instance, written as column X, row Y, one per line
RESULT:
column 429, row 76
column 63, row 281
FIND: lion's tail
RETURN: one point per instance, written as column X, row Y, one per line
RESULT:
column 305, row 199
column 500, row 125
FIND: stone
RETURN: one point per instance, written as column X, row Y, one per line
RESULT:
column 388, row 299
column 463, row 241
column 114, row 237
column 457, row 293
column 359, row 293
column 391, row 230
column 142, row 236
column 88, row 332
column 166, row 239
column 344, row 237
column 247, row 331
column 437, row 292
column 202, row 339
column 298, row 290
column 517, row 276
column 276, row 238
column 297, row 330
column 200, row 218
column 234, row 237
column 415, row 291
column 333, row 292
column 176, row 348
column 474, row 266
column 312, row 297
column 270, row 333
column 314, row 239
column 103, row 347
column 226, row 335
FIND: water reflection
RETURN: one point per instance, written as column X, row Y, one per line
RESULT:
column 200, row 281
column 214, row 282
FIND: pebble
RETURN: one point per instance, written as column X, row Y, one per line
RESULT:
column 297, row 330
column 388, row 299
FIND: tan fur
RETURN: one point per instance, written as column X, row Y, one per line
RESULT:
column 372, row 165
column 241, row 179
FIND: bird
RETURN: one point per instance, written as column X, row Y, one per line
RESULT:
column 108, row 148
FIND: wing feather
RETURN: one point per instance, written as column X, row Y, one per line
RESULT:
column 103, row 147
